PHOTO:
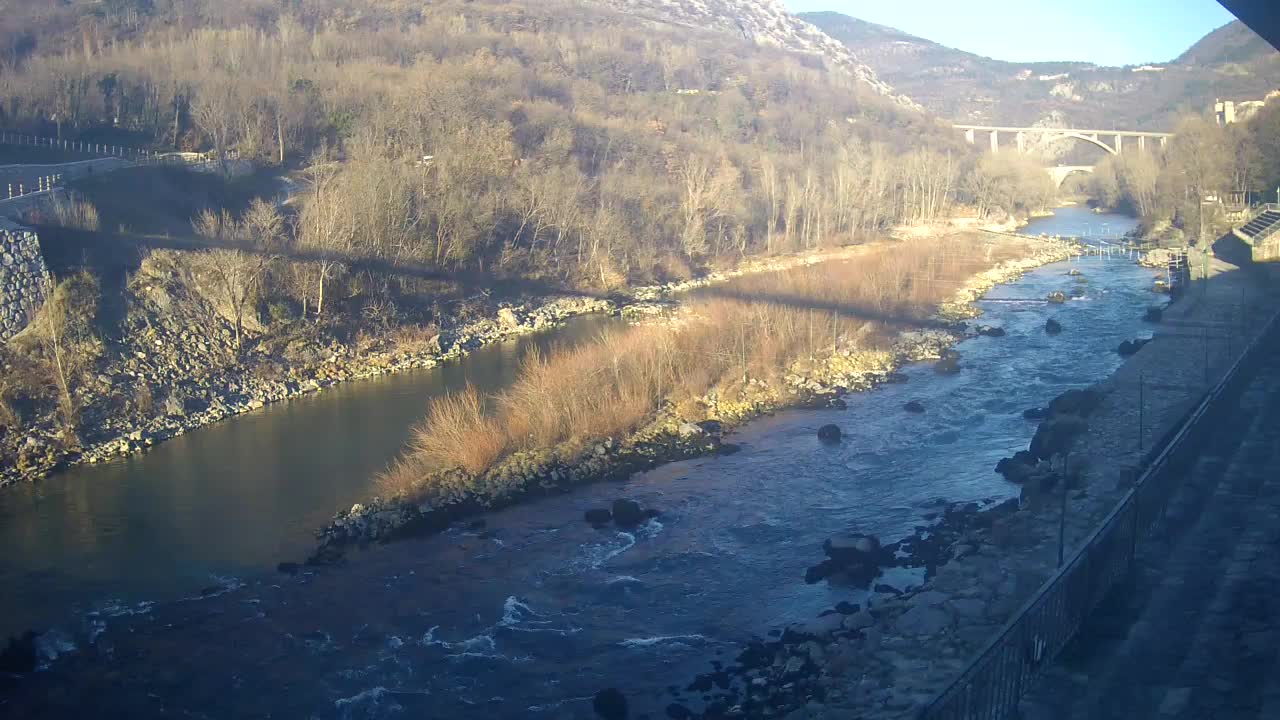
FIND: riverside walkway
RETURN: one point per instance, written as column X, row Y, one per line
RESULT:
column 1193, row 634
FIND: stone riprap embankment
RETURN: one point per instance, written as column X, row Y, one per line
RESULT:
column 23, row 278
column 889, row 659
column 175, row 368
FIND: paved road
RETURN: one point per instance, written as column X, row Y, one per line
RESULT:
column 1196, row 634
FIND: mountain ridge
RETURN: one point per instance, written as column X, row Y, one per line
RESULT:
column 1230, row 62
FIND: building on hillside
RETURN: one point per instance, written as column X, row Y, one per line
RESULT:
column 1226, row 112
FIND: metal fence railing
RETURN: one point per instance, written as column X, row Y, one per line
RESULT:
column 78, row 146
column 991, row 686
column 132, row 154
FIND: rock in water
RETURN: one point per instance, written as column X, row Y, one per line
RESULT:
column 915, row 406
column 1057, row 297
column 989, row 331
column 857, row 558
column 1035, row 413
column 1018, row 468
column 1153, row 314
column 598, row 516
column 610, row 704
column 627, row 513
column 1055, row 435
column 1052, row 327
column 1130, row 347
column 1075, row 402
column 949, row 365
column 829, row 434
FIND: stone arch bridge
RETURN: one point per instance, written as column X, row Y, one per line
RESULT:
column 1111, row 141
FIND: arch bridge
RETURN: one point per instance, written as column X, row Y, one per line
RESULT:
column 1099, row 138
column 1112, row 141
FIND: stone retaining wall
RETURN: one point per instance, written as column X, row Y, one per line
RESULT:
column 22, row 278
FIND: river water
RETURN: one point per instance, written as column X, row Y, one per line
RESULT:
column 530, row 615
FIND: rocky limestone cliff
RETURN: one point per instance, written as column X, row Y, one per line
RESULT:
column 765, row 22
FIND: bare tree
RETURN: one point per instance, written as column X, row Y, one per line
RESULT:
column 326, row 226
column 233, row 274
column 64, row 329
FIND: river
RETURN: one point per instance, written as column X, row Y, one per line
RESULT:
column 529, row 615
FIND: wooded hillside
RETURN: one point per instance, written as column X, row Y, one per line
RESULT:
column 546, row 139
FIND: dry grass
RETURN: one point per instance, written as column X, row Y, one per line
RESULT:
column 75, row 213
column 458, row 432
column 755, row 328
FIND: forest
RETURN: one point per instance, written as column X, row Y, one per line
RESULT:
column 1186, row 192
column 539, row 140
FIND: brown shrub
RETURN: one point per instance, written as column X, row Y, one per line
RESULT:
column 755, row 328
column 74, row 213
column 460, row 433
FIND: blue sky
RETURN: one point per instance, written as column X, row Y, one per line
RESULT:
column 1106, row 32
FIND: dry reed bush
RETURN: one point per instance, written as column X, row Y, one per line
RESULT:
column 612, row 385
column 75, row 213
column 457, row 432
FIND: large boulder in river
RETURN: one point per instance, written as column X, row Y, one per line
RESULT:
column 990, row 331
column 628, row 513
column 914, row 406
column 1075, row 402
column 829, row 434
column 1052, row 327
column 856, row 558
column 1057, row 297
column 598, row 516
column 1017, row 469
column 1055, row 435
column 851, row 547
column 948, row 364
column 1035, row 413
column 610, row 704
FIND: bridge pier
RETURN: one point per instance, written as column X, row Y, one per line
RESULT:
column 1119, row 143
column 1142, row 143
column 995, row 141
column 968, row 135
column 1022, row 142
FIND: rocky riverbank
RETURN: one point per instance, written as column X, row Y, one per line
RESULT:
column 891, row 653
column 815, row 382
column 172, row 366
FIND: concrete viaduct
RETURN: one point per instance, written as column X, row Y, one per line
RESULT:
column 1100, row 138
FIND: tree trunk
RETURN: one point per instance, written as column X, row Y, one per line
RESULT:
column 280, row 135
column 320, row 294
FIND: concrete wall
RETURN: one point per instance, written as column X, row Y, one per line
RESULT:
column 22, row 277
column 1268, row 250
